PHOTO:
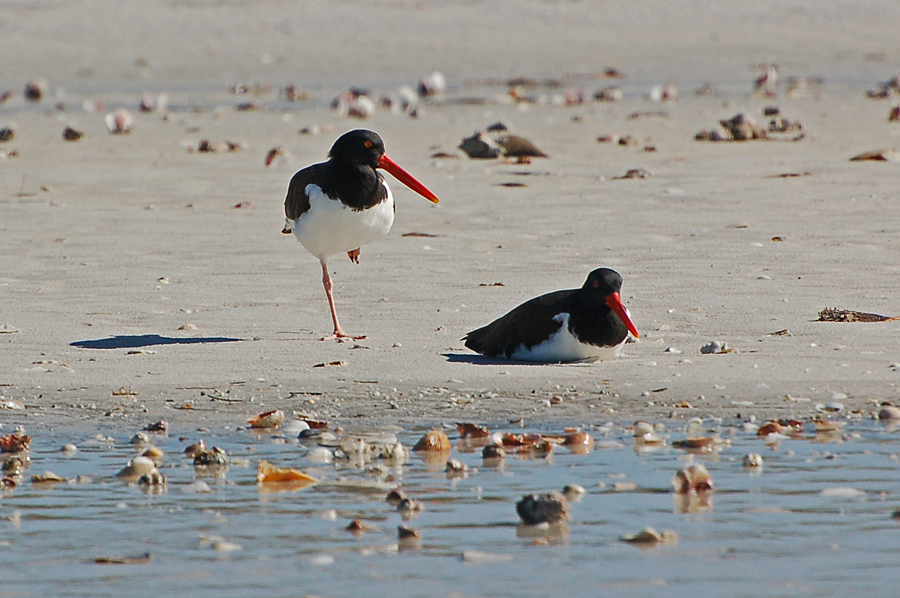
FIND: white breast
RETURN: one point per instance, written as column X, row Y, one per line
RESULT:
column 563, row 346
column 329, row 227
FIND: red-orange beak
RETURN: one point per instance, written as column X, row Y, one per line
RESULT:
column 406, row 178
column 615, row 303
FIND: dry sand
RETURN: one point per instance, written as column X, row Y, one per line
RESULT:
column 110, row 244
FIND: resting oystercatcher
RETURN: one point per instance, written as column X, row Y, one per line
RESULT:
column 340, row 205
column 577, row 324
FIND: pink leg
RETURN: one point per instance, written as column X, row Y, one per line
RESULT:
column 338, row 331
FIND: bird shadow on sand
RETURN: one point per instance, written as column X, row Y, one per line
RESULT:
column 482, row 360
column 147, row 340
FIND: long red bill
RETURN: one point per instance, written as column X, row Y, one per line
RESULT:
column 615, row 303
column 406, row 178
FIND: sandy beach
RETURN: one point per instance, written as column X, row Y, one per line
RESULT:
column 139, row 276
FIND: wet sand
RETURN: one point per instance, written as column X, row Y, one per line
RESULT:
column 110, row 244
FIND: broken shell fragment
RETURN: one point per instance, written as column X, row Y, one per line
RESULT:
column 433, row 440
column 161, row 426
column 48, row 477
column 68, row 449
column 395, row 496
column 649, row 536
column 154, row 453
column 268, row 419
column 692, row 479
column 7, row 134
column 551, row 507
column 885, row 154
column 889, row 413
column 266, row 473
column 433, row 84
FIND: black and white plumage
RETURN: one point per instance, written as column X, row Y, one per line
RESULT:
column 344, row 203
column 572, row 325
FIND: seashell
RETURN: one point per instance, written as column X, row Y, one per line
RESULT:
column 889, row 412
column 493, row 452
column 140, row 438
column 518, row 146
column 432, row 84
column 198, row 447
column 766, row 83
column 579, row 442
column 395, row 496
column 894, row 115
column 161, row 426
column 154, row 453
column 268, row 419
column 753, row 460
column 357, row 527
column 136, row 468
column 14, row 443
column 266, row 473
column 574, row 492
column 433, row 440
column 120, row 121
column 409, row 506
column 612, row 93
column 648, row 535
column 72, row 134
column 292, row 93
column 467, row 431
column 479, row 147
column 551, row 507
column 884, row 154
column 153, row 479
column 716, row 348
column 7, row 134
column 214, row 456
column 692, row 479
column 35, row 89
column 635, row 173
column 743, row 127
column 696, row 442
column 294, row 426
column 456, row 469
column 154, row 104
column 408, row 536
column 68, row 449
column 13, row 466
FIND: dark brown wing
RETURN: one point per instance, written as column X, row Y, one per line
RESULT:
column 297, row 202
column 530, row 324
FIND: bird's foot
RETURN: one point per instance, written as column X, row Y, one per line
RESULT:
column 354, row 255
column 342, row 337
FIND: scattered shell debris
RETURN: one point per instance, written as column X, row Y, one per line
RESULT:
column 692, row 479
column 119, row 121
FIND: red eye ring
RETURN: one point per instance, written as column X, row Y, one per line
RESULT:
column 369, row 144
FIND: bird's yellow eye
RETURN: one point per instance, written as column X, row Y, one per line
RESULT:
column 369, row 144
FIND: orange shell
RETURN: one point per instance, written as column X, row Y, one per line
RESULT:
column 266, row 473
column 472, row 431
column 434, row 440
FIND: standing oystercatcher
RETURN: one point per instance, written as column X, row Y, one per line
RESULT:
column 577, row 324
column 340, row 205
